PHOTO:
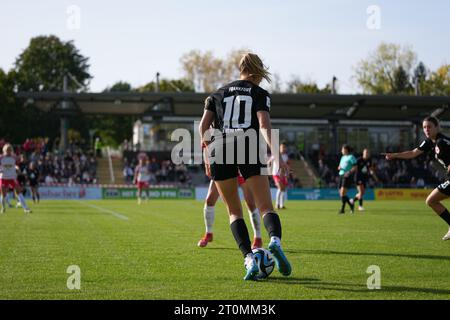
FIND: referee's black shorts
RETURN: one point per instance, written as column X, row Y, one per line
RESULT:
column 345, row 182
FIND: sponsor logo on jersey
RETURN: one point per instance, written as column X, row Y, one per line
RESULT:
column 231, row 89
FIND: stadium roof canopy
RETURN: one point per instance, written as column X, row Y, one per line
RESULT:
column 292, row 106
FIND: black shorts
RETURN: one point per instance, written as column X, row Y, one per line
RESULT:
column 228, row 169
column 221, row 172
column 345, row 182
column 34, row 184
column 444, row 188
column 361, row 180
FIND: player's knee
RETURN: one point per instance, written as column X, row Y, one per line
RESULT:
column 430, row 202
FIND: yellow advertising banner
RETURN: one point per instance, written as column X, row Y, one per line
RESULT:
column 401, row 194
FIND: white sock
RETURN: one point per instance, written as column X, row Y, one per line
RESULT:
column 2, row 201
column 278, row 198
column 282, row 198
column 208, row 214
column 255, row 220
column 249, row 257
column 22, row 201
column 276, row 240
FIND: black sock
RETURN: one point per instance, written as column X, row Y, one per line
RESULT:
column 361, row 202
column 240, row 233
column 348, row 201
column 445, row 216
column 273, row 224
column 344, row 201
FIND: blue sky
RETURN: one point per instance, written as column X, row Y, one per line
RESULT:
column 315, row 40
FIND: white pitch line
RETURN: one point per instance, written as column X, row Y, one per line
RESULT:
column 115, row 214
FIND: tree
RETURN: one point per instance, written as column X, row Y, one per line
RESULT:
column 296, row 85
column 204, row 70
column 377, row 73
column 420, row 75
column 42, row 65
column 119, row 86
column 438, row 82
column 402, row 84
column 208, row 72
column 166, row 85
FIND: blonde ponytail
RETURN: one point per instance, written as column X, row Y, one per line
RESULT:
column 253, row 66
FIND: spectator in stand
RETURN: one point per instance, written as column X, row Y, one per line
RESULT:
column 49, row 179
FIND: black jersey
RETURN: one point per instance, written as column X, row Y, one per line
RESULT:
column 33, row 176
column 364, row 166
column 21, row 178
column 440, row 149
column 236, row 104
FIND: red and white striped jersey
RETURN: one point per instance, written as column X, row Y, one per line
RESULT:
column 142, row 173
column 8, row 168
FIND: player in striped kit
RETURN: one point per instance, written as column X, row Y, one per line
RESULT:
column 8, row 178
column 209, row 214
column 142, row 178
column 280, row 180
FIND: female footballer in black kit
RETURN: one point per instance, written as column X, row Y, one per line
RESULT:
column 237, row 107
column 438, row 144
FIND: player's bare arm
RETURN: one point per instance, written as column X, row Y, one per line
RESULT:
column 405, row 155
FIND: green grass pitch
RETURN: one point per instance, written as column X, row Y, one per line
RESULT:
column 126, row 251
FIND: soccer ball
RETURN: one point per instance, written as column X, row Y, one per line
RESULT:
column 264, row 261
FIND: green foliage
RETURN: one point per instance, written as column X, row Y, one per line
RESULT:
column 387, row 70
column 438, row 82
column 402, row 84
column 296, row 85
column 120, row 86
column 42, row 65
column 166, row 85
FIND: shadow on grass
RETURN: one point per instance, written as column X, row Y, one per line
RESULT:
column 347, row 287
column 383, row 254
column 291, row 280
column 313, row 283
column 220, row 248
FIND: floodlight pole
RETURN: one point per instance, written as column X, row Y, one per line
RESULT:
column 63, row 143
column 157, row 82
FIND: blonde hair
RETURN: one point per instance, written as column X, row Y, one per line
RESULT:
column 253, row 66
column 6, row 146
